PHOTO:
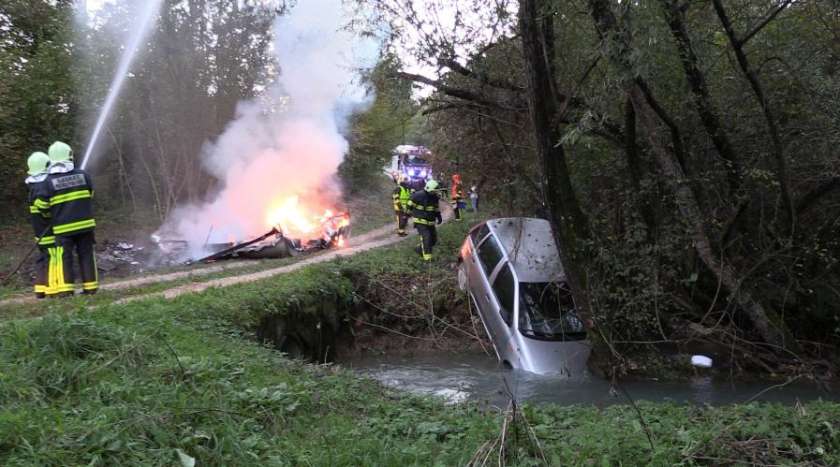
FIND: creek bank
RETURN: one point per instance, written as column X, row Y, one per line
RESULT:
column 171, row 380
column 387, row 301
column 185, row 375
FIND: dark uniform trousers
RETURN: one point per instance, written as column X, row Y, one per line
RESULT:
column 71, row 208
column 426, row 212
column 83, row 246
column 42, row 227
column 457, row 200
column 401, row 197
column 428, row 239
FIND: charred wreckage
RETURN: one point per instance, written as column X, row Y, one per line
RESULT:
column 333, row 232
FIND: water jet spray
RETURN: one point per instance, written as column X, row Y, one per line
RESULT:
column 148, row 13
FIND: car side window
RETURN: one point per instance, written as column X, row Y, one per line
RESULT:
column 490, row 253
column 505, row 289
column 479, row 233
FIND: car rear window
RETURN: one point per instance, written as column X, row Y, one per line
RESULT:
column 489, row 253
column 505, row 289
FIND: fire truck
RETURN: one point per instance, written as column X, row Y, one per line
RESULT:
column 411, row 162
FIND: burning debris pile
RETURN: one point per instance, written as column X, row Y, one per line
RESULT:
column 333, row 231
column 277, row 161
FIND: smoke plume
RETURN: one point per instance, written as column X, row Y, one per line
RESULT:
column 287, row 143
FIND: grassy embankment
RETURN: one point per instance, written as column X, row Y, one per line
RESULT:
column 153, row 382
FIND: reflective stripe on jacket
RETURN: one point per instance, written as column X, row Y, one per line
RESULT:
column 425, row 207
column 401, row 197
column 39, row 213
column 71, row 202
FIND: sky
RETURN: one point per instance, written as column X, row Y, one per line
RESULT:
column 445, row 17
column 94, row 5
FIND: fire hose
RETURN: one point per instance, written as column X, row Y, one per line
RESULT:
column 8, row 277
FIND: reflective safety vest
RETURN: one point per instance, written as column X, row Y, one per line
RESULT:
column 401, row 196
column 71, row 202
column 425, row 207
column 39, row 212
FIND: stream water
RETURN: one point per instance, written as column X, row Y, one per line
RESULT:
column 461, row 377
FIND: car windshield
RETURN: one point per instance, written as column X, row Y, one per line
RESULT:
column 547, row 312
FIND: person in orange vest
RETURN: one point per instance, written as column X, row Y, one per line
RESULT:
column 457, row 196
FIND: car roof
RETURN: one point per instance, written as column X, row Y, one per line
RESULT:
column 530, row 247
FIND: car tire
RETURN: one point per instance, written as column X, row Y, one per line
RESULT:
column 463, row 280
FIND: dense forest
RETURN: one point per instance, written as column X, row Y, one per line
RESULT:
column 684, row 151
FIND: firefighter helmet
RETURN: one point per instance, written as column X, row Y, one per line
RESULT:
column 431, row 185
column 60, row 152
column 38, row 163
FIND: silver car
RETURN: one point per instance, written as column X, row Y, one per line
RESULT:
column 513, row 274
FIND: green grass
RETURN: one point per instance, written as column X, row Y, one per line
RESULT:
column 147, row 382
column 133, row 385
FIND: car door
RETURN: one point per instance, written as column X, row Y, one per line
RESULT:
column 487, row 259
column 474, row 268
column 501, row 305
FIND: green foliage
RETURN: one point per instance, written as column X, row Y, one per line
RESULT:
column 159, row 383
column 378, row 130
column 37, row 100
column 641, row 262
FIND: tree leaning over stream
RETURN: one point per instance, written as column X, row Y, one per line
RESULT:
column 697, row 137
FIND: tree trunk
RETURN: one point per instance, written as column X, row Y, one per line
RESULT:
column 768, row 325
column 772, row 126
column 571, row 228
column 634, row 169
column 766, row 322
column 702, row 99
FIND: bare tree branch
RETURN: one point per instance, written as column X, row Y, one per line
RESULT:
column 772, row 125
column 453, row 91
column 758, row 27
column 481, row 77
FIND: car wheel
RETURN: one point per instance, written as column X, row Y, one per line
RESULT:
column 463, row 281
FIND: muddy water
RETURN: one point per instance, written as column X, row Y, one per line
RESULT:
column 478, row 377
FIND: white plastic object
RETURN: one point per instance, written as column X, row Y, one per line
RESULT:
column 701, row 360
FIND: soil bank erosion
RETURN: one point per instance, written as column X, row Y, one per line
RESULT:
column 383, row 301
column 388, row 302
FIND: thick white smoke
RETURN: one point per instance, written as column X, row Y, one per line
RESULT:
column 288, row 142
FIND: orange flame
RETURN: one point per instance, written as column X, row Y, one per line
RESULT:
column 298, row 220
column 290, row 217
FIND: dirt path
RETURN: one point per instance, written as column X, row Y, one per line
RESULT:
column 356, row 245
column 380, row 237
column 232, row 280
column 198, row 272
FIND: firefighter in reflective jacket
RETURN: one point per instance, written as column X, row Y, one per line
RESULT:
column 39, row 214
column 401, row 196
column 70, row 197
column 425, row 208
column 457, row 195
